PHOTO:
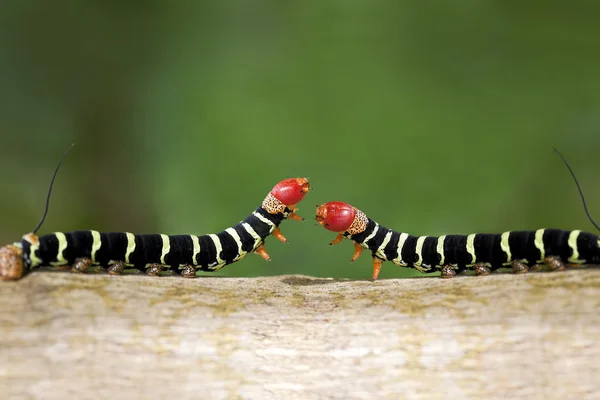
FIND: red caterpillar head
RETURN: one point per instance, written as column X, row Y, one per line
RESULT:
column 291, row 191
column 336, row 216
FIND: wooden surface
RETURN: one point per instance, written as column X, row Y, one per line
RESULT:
column 504, row 336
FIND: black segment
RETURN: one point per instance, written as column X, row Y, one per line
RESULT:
column 409, row 255
column 78, row 240
column 245, row 237
column 376, row 241
column 455, row 250
column 429, row 251
column 48, row 248
column 391, row 249
column 587, row 245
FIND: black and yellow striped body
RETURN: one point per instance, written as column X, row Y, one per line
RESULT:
column 429, row 253
column 207, row 252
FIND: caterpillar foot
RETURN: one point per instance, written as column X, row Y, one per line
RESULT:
column 554, row 263
column 154, row 269
column 519, row 268
column 358, row 249
column 376, row 267
column 447, row 272
column 295, row 216
column 188, row 271
column 277, row 233
column 262, row 252
column 337, row 239
column 481, row 270
column 574, row 265
column 116, row 269
column 81, row 265
column 535, row 267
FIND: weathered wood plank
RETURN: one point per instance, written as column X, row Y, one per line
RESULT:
column 502, row 336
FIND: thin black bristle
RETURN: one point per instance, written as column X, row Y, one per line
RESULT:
column 578, row 188
column 50, row 189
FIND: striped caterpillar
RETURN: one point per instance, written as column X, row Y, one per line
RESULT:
column 451, row 254
column 156, row 252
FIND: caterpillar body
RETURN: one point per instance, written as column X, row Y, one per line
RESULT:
column 155, row 253
column 452, row 254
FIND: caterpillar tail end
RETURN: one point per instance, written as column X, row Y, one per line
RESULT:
column 11, row 262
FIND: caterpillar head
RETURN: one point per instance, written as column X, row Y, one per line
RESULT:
column 291, row 191
column 336, row 216
column 11, row 262
column 285, row 195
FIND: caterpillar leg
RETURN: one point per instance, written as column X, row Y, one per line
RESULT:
column 154, row 269
column 277, row 233
column 376, row 267
column 262, row 252
column 117, row 268
column 188, row 271
column 535, row 267
column 337, row 239
column 447, row 271
column 480, row 269
column 358, row 249
column 293, row 214
column 81, row 265
column 518, row 267
column 554, row 263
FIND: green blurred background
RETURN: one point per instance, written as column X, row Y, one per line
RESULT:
column 433, row 117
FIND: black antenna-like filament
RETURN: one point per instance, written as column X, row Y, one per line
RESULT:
column 578, row 188
column 50, row 188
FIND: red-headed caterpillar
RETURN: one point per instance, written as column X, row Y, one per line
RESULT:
column 452, row 254
column 154, row 253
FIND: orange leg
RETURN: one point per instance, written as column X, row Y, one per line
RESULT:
column 376, row 267
column 262, row 252
column 337, row 239
column 357, row 251
column 295, row 216
column 277, row 233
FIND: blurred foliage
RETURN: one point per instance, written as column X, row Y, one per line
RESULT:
column 433, row 117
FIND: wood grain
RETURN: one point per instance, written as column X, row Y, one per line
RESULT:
column 502, row 336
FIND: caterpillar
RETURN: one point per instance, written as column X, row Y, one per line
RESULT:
column 452, row 254
column 154, row 253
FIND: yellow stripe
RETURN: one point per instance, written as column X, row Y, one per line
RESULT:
column 250, row 230
column 539, row 243
column 573, row 245
column 62, row 245
column 130, row 246
column 265, row 220
column 398, row 260
column 505, row 247
column 471, row 247
column 380, row 251
column 419, row 266
column 419, row 250
column 240, row 253
column 96, row 244
column 166, row 248
column 364, row 242
column 35, row 260
column 440, row 248
column 219, row 247
column 196, row 244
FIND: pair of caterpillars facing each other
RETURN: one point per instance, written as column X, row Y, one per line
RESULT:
column 185, row 254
